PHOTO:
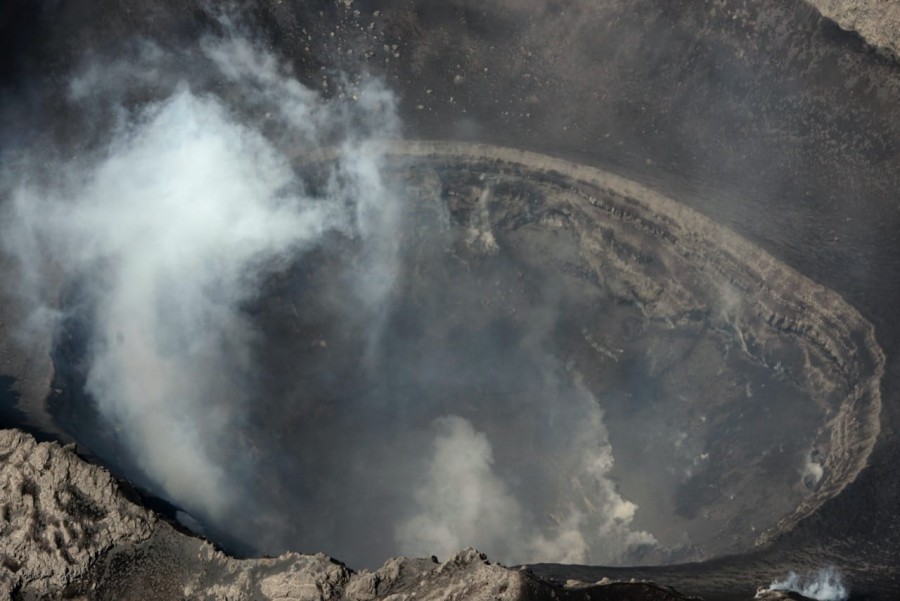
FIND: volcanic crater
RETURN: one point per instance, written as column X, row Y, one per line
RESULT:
column 641, row 374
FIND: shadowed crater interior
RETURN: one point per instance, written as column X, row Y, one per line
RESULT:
column 564, row 366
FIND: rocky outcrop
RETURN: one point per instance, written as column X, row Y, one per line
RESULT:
column 57, row 515
column 67, row 530
column 877, row 21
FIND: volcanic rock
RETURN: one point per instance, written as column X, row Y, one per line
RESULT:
column 878, row 23
column 68, row 530
column 59, row 515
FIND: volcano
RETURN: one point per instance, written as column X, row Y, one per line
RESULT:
column 576, row 285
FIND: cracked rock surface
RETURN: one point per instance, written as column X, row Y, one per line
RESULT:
column 59, row 514
column 67, row 530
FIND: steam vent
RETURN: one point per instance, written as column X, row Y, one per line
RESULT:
column 349, row 300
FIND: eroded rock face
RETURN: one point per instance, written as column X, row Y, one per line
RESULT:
column 68, row 531
column 877, row 21
column 59, row 514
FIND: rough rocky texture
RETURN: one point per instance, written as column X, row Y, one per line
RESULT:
column 877, row 21
column 58, row 514
column 781, row 154
column 468, row 575
column 68, row 531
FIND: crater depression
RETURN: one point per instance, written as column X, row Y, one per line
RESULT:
column 558, row 365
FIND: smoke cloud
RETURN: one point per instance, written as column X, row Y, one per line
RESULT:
column 463, row 501
column 176, row 221
column 823, row 585
column 188, row 214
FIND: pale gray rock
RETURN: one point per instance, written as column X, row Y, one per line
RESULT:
column 58, row 514
column 68, row 531
column 466, row 575
column 877, row 21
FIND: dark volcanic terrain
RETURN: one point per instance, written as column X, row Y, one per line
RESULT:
column 678, row 218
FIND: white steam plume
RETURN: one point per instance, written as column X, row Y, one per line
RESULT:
column 175, row 225
column 177, row 222
column 464, row 501
column 826, row 584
